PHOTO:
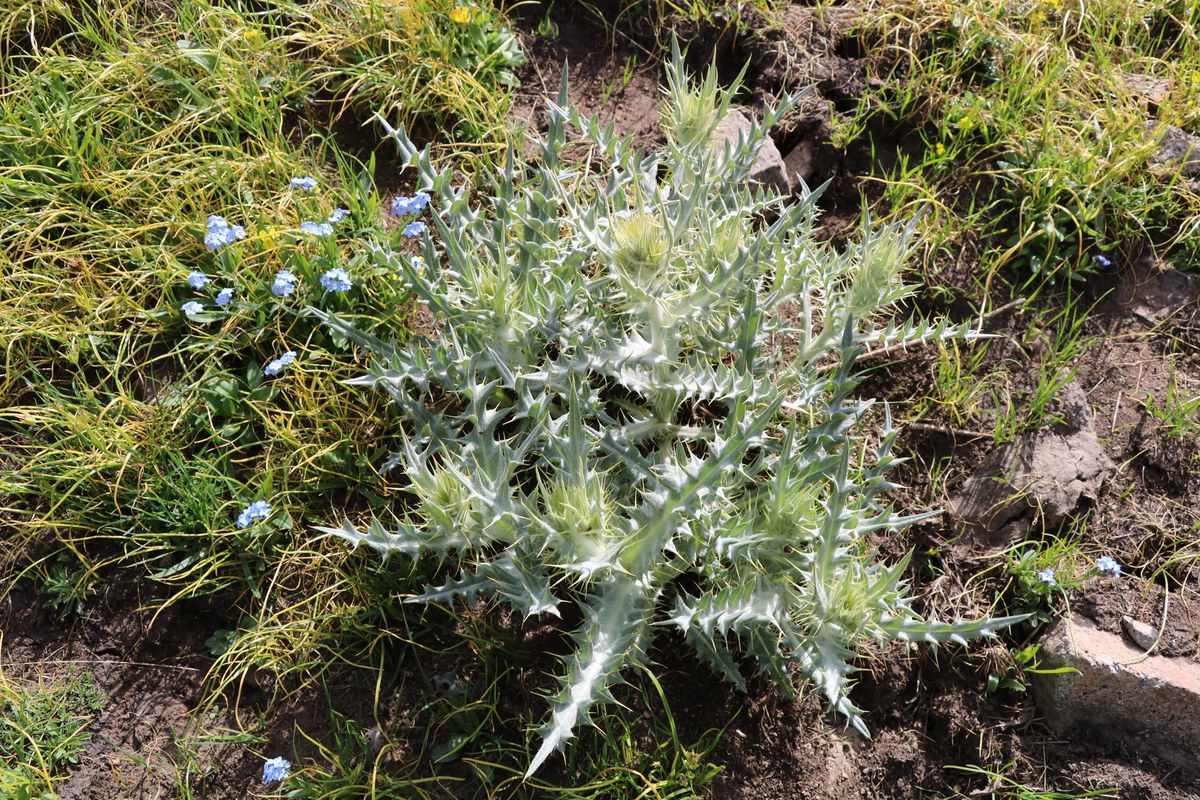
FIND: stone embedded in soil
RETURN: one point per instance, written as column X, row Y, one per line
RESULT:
column 1040, row 477
column 1148, row 703
column 1157, row 292
column 1177, row 149
column 1153, row 90
column 768, row 167
column 800, row 164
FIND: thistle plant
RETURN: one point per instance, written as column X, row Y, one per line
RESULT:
column 640, row 401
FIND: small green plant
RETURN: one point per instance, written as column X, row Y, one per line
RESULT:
column 1012, row 676
column 1000, row 785
column 1178, row 415
column 67, row 591
column 43, row 729
column 601, row 420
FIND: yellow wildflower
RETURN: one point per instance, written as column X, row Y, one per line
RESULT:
column 461, row 15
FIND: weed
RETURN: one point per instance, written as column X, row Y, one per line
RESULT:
column 42, row 732
column 1043, row 102
column 1001, row 786
column 1177, row 414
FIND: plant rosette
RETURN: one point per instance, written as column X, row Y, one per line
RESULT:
column 612, row 427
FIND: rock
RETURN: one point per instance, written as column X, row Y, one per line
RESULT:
column 1140, row 633
column 799, row 164
column 1158, row 291
column 1040, row 477
column 1150, row 703
column 1153, row 90
column 768, row 168
column 1177, row 149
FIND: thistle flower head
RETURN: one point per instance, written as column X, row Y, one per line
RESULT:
column 640, row 249
column 875, row 282
column 581, row 512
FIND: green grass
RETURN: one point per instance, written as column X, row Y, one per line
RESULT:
column 43, row 729
column 1033, row 119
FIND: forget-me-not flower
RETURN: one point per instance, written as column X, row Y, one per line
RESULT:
column 1046, row 576
column 317, row 228
column 191, row 308
column 338, row 215
column 1102, row 261
column 197, row 279
column 224, row 296
column 415, row 228
column 276, row 769
column 257, row 511
column 284, row 283
column 306, row 184
column 336, row 280
column 277, row 365
column 1109, row 566
column 410, row 205
column 221, row 233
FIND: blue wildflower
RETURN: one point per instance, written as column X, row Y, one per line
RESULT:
column 224, row 296
column 1046, row 576
column 276, row 769
column 277, row 365
column 336, row 280
column 418, row 203
column 221, row 233
column 401, row 206
column 1108, row 566
column 284, row 283
column 338, row 215
column 257, row 511
column 317, row 228
column 415, row 228
column 1102, row 261
column 192, row 308
column 197, row 279
column 306, row 184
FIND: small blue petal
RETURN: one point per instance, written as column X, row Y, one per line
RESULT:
column 276, row 769
column 336, row 280
column 284, row 283
column 257, row 511
column 317, row 228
